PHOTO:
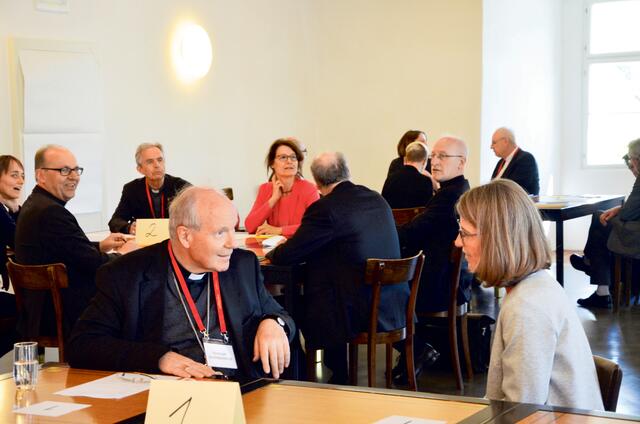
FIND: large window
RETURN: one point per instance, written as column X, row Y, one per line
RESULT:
column 612, row 64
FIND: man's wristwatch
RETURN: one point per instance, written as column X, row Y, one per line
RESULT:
column 277, row 318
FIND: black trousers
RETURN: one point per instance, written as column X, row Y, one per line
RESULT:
column 597, row 253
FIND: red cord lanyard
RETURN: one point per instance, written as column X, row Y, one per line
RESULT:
column 153, row 212
column 191, row 303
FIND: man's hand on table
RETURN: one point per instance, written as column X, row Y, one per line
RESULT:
column 175, row 364
column 271, row 346
column 608, row 214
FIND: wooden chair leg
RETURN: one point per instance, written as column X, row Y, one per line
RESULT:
column 311, row 365
column 455, row 357
column 411, row 366
column 617, row 283
column 464, row 327
column 371, row 364
column 387, row 366
column 628, row 268
column 353, row 364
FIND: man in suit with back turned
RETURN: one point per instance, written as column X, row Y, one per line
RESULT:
column 409, row 187
column 47, row 232
column 149, row 196
column 515, row 164
column 338, row 233
column 188, row 305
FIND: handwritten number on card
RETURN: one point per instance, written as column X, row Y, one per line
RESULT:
column 187, row 403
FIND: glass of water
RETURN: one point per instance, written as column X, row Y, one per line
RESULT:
column 25, row 365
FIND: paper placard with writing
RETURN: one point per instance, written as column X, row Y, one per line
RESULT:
column 194, row 402
column 151, row 231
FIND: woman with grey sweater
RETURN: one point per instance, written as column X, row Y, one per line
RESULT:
column 540, row 353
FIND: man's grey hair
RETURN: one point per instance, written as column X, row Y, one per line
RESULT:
column 634, row 148
column 183, row 209
column 144, row 146
column 508, row 134
column 330, row 168
column 416, row 152
column 42, row 152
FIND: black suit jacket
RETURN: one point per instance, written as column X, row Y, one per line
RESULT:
column 434, row 231
column 122, row 327
column 522, row 169
column 134, row 203
column 7, row 237
column 46, row 233
column 337, row 235
column 407, row 188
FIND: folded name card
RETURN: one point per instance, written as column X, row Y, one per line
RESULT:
column 151, row 231
column 194, row 402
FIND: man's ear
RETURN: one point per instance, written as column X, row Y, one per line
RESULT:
column 463, row 162
column 139, row 169
column 184, row 236
column 39, row 176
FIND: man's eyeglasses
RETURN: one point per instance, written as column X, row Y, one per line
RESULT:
column 64, row 171
column 627, row 160
column 443, row 156
column 464, row 234
column 283, row 158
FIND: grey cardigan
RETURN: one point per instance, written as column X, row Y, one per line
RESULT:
column 540, row 353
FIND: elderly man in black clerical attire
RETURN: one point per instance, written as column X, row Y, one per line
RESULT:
column 48, row 233
column 149, row 196
column 187, row 306
column 338, row 233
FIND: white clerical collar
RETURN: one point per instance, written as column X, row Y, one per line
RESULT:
column 197, row 277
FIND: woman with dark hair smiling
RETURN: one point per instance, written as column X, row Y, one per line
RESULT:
column 282, row 201
column 540, row 353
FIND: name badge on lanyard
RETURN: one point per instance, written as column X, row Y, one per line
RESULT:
column 219, row 354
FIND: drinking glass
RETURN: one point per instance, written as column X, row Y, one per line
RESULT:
column 25, row 365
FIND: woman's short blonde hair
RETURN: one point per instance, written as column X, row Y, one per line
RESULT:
column 509, row 227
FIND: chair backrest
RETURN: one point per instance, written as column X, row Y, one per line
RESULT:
column 455, row 260
column 49, row 277
column 402, row 216
column 384, row 272
column 610, row 379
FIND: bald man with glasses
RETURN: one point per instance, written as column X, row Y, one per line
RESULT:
column 48, row 233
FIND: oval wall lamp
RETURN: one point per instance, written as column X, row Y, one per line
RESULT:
column 191, row 52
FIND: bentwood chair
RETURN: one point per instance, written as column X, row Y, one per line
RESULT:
column 380, row 273
column 610, row 379
column 623, row 281
column 402, row 216
column 452, row 315
column 51, row 278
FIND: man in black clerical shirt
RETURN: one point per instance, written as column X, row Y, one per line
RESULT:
column 146, row 197
column 186, row 305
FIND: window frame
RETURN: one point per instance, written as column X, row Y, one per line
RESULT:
column 587, row 60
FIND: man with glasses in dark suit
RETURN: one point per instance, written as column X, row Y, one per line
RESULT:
column 48, row 233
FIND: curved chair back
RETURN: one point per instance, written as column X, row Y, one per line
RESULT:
column 49, row 277
column 402, row 216
column 610, row 379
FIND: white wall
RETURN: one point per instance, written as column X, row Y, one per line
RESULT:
column 521, row 81
column 575, row 178
column 349, row 76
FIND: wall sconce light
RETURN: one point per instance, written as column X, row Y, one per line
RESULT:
column 191, row 52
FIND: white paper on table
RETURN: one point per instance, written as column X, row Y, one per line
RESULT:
column 110, row 387
column 50, row 408
column 272, row 241
column 398, row 419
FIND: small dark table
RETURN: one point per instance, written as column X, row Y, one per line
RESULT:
column 563, row 208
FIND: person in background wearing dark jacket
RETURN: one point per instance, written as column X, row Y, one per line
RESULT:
column 433, row 231
column 338, row 233
column 408, row 138
column 186, row 305
column 146, row 197
column 409, row 187
column 515, row 164
column 617, row 230
column 48, row 233
column 11, row 182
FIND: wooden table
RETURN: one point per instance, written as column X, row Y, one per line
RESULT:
column 269, row 401
column 562, row 208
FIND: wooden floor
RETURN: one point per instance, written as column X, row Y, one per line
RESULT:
column 612, row 335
